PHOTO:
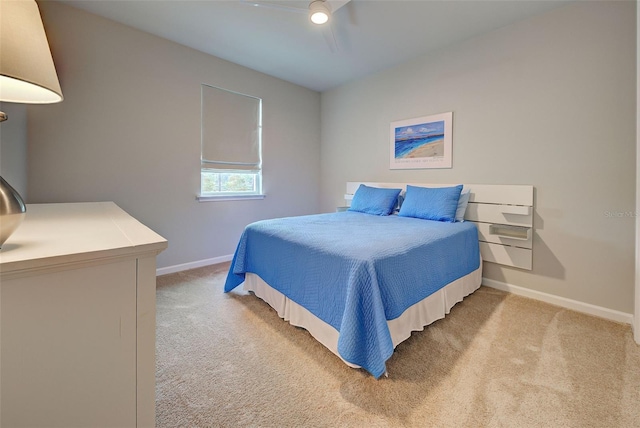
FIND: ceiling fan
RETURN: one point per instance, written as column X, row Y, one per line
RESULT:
column 319, row 12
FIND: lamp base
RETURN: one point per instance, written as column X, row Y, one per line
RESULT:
column 12, row 210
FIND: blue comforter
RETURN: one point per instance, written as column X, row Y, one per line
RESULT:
column 355, row 271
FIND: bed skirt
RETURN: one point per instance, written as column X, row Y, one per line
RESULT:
column 415, row 318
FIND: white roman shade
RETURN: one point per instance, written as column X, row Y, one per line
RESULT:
column 231, row 125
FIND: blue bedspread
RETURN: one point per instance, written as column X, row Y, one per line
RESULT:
column 355, row 271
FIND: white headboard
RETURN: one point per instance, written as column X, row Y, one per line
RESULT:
column 503, row 214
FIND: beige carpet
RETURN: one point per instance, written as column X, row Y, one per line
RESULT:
column 498, row 360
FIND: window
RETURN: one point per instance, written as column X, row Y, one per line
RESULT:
column 231, row 158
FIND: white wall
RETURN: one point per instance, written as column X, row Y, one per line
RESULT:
column 544, row 102
column 549, row 101
column 128, row 131
column 636, row 321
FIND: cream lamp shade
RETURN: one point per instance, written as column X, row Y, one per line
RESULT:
column 27, row 73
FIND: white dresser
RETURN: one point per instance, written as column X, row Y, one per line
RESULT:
column 77, row 318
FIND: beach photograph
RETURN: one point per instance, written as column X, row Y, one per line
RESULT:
column 422, row 142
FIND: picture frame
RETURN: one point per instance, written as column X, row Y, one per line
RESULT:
column 422, row 142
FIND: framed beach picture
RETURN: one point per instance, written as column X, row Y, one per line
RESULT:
column 423, row 142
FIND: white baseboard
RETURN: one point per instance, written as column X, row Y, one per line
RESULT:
column 563, row 302
column 575, row 305
column 193, row 265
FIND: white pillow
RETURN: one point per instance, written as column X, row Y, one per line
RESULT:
column 462, row 204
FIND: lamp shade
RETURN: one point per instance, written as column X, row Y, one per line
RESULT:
column 27, row 73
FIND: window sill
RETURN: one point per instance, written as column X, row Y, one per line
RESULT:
column 216, row 198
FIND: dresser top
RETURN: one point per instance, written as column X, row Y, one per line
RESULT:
column 65, row 234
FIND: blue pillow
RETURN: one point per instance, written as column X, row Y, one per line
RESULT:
column 374, row 200
column 462, row 204
column 431, row 203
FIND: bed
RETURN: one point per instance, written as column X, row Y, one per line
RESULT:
column 359, row 281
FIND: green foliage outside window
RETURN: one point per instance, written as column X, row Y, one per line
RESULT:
column 228, row 182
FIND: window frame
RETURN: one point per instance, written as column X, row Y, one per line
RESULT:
column 229, row 195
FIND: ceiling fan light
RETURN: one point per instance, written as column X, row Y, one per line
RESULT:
column 319, row 18
column 319, row 12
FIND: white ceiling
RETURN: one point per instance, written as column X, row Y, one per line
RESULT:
column 371, row 35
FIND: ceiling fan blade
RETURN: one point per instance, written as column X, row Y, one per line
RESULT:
column 334, row 33
column 333, row 5
column 330, row 38
column 276, row 6
column 337, row 4
column 327, row 30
